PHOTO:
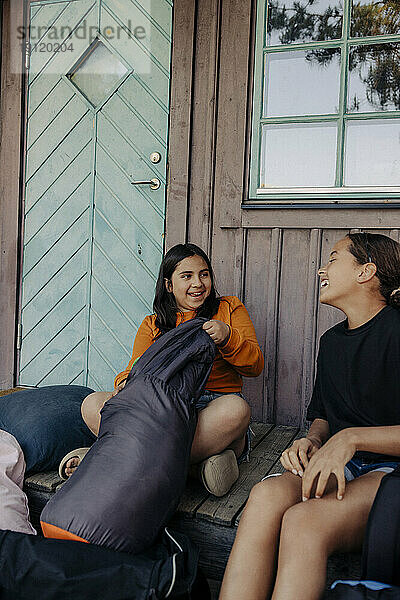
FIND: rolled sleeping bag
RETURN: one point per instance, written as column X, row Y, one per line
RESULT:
column 129, row 483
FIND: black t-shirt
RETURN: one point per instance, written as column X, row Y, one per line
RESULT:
column 358, row 375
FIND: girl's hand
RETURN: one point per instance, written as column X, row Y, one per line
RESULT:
column 218, row 331
column 118, row 388
column 330, row 460
column 296, row 458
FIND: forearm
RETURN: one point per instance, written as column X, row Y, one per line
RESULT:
column 243, row 354
column 318, row 432
column 380, row 440
column 241, row 348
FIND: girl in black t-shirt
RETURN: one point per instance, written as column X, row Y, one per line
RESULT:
column 292, row 523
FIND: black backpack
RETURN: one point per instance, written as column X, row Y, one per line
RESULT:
column 35, row 568
column 381, row 552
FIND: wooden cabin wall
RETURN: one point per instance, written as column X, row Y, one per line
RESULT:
column 10, row 131
column 267, row 257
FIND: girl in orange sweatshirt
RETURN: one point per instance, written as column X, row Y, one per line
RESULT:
column 185, row 289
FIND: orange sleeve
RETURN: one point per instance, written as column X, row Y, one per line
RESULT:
column 143, row 340
column 242, row 350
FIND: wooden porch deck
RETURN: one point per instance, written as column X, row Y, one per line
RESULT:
column 211, row 522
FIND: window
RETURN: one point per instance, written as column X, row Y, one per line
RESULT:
column 326, row 109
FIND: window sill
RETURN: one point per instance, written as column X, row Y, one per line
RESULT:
column 355, row 197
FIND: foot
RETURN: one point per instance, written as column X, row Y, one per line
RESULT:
column 71, row 465
column 71, row 461
column 219, row 472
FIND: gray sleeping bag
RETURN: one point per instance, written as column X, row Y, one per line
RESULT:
column 129, row 483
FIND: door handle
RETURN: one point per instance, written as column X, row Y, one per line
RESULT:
column 153, row 183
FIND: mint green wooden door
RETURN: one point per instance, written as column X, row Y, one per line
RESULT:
column 97, row 120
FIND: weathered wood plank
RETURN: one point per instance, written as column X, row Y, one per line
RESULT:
column 310, row 321
column 228, row 244
column 180, row 121
column 260, row 431
column 204, row 128
column 224, row 510
column 290, row 329
column 327, row 315
column 231, row 118
column 256, row 288
column 43, row 481
column 325, row 218
column 192, row 498
column 10, row 136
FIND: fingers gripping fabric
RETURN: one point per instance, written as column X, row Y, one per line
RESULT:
column 129, row 483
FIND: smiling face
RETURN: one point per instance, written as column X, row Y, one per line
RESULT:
column 190, row 283
column 340, row 276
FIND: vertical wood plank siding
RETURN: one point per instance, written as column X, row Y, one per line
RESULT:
column 10, row 131
column 202, row 158
column 268, row 258
column 180, row 120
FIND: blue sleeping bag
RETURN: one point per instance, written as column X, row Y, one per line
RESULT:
column 129, row 483
column 47, row 423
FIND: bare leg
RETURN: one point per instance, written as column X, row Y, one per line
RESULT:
column 313, row 530
column 222, row 424
column 251, row 565
column 90, row 410
column 91, row 407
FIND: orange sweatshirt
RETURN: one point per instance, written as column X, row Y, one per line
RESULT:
column 241, row 355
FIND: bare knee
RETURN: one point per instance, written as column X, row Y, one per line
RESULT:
column 91, row 407
column 304, row 526
column 275, row 495
column 236, row 414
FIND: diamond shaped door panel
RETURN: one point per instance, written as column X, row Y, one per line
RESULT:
column 97, row 109
column 97, row 72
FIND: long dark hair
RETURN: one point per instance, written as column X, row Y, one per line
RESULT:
column 385, row 254
column 164, row 305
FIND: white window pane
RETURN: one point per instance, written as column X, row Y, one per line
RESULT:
column 372, row 153
column 374, row 84
column 298, row 155
column 302, row 83
column 296, row 21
